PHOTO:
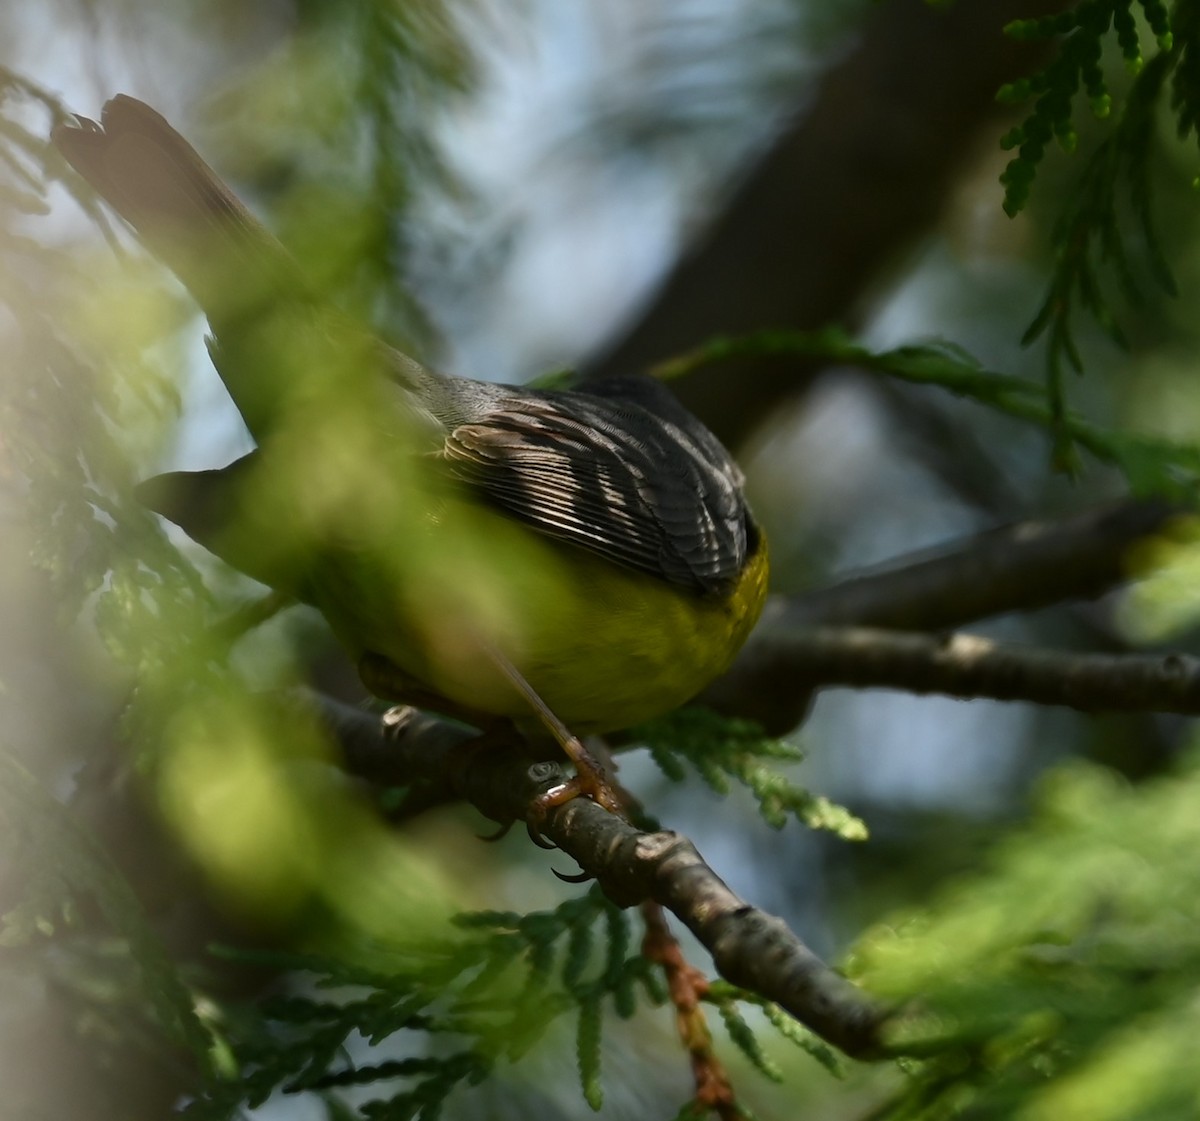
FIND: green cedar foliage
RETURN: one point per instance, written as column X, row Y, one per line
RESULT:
column 1090, row 238
column 75, row 903
column 247, row 788
column 720, row 750
column 1151, row 465
column 1058, row 981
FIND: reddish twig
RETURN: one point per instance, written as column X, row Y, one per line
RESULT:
column 687, row 987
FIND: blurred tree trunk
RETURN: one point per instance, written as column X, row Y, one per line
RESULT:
column 852, row 183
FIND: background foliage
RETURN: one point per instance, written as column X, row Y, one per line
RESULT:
column 202, row 912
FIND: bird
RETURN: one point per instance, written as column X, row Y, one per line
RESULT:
column 562, row 562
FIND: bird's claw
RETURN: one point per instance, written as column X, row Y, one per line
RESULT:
column 500, row 833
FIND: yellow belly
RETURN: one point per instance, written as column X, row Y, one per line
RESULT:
column 605, row 647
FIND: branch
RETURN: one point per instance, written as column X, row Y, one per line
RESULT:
column 971, row 667
column 1022, row 567
column 750, row 948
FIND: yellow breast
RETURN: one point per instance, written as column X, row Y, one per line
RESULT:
column 604, row 646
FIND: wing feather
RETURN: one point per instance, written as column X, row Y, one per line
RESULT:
column 648, row 488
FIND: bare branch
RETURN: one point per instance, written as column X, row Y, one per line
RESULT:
column 968, row 666
column 1022, row 567
column 750, row 948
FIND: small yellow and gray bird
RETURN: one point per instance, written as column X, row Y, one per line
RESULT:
column 572, row 562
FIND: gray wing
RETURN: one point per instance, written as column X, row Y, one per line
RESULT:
column 622, row 470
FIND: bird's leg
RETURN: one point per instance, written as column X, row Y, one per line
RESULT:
column 385, row 679
column 590, row 778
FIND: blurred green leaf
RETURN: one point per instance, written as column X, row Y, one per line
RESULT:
column 1058, row 981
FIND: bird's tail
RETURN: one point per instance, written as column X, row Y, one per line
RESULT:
column 264, row 313
column 180, row 208
column 276, row 336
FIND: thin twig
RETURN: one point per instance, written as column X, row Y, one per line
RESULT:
column 687, row 987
